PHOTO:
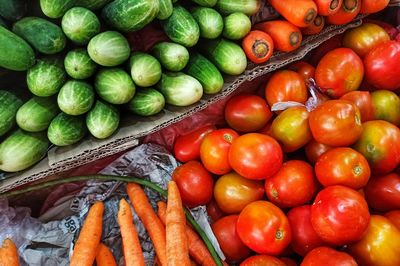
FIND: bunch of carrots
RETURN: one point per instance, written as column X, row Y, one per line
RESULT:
column 301, row 17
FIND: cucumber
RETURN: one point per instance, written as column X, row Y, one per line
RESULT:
column 36, row 114
column 109, row 48
column 15, row 53
column 66, row 129
column 9, row 105
column 45, row 78
column 114, row 85
column 226, row 55
column 56, row 8
column 22, row 149
column 130, row 15
column 210, row 22
column 145, row 69
column 92, row 4
column 43, row 35
column 102, row 120
column 206, row 73
column 181, row 27
column 80, row 25
column 165, row 10
column 249, row 7
column 172, row 56
column 75, row 97
column 206, row 3
column 13, row 10
column 180, row 89
column 79, row 65
column 237, row 26
column 3, row 23
column 147, row 102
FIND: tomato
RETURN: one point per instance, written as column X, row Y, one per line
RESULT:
column 336, row 123
column 304, row 237
column 365, row 37
column 315, row 149
column 390, row 29
column 349, row 10
column 328, row 256
column 286, row 85
column 195, row 183
column 187, row 147
column 339, row 215
column 247, row 113
column 233, row 192
column 382, row 66
column 342, row 166
column 394, row 217
column 383, row 192
column 267, row 130
column 339, row 71
column 214, row 150
column 291, row 129
column 373, row 6
column 380, row 144
column 386, row 106
column 264, row 228
column 324, row 48
column 293, row 185
column 305, row 70
column 379, row 245
column 255, row 156
column 363, row 100
column 225, row 231
column 288, row 261
column 259, row 260
column 214, row 211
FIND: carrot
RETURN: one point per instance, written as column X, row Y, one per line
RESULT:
column 104, row 256
column 348, row 11
column 133, row 253
column 328, row 7
column 258, row 46
column 299, row 12
column 286, row 36
column 150, row 220
column 9, row 254
column 175, row 227
column 315, row 27
column 85, row 249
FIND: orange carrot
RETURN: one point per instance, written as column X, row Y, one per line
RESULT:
column 315, row 27
column 347, row 12
column 299, row 12
column 104, row 256
column 9, row 254
column 88, row 241
column 328, row 7
column 258, row 46
column 286, row 36
column 150, row 220
column 133, row 253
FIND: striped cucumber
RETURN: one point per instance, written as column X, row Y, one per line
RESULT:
column 165, row 10
column 9, row 105
column 56, row 8
column 147, row 102
column 145, row 69
column 66, row 129
column 78, row 64
column 75, row 97
column 103, row 120
column 172, row 56
column 210, row 22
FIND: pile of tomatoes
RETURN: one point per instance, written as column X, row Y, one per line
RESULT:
column 317, row 182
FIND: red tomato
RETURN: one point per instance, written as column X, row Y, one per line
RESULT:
column 382, row 66
column 259, row 260
column 390, row 29
column 386, row 106
column 380, row 144
column 363, row 100
column 328, row 256
column 214, row 211
column 304, row 237
column 336, row 123
column 214, row 150
column 324, row 48
column 373, row 6
column 394, row 217
column 267, row 130
column 225, row 231
column 339, row 215
column 383, row 192
column 315, row 149
column 264, row 228
column 293, row 185
column 343, row 166
column 194, row 182
column 349, row 10
column 255, row 156
column 233, row 192
column 288, row 261
column 247, row 113
column 339, row 71
column 187, row 147
column 305, row 70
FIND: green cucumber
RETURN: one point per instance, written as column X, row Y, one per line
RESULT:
column 36, row 114
column 22, row 149
column 13, row 10
column 147, row 102
column 92, row 4
column 43, row 35
column 181, row 27
column 180, row 89
column 206, row 3
column 75, row 97
column 172, row 56
column 165, row 10
column 249, row 7
column 130, row 15
column 109, row 48
column 145, row 69
column 56, row 8
column 80, row 25
column 15, row 53
column 9, row 105
column 79, row 65
column 66, row 129
column 103, row 120
column 210, row 22
column 237, row 26
column 114, row 85
column 206, row 73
